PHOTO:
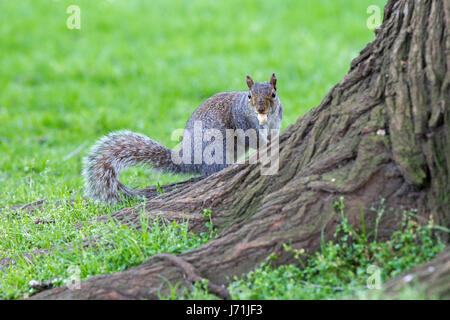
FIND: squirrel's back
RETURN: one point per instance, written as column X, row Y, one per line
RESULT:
column 216, row 110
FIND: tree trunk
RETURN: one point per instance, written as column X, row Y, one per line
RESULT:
column 432, row 278
column 382, row 132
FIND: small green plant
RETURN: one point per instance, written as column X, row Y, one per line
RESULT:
column 199, row 291
column 159, row 189
column 345, row 264
column 207, row 213
column 172, row 289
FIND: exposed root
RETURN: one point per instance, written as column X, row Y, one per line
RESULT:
column 190, row 275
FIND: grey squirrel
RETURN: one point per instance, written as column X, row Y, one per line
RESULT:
column 258, row 108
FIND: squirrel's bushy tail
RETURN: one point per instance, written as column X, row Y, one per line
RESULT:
column 115, row 152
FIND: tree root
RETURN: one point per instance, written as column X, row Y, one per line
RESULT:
column 191, row 276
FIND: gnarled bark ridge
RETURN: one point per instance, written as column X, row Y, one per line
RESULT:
column 382, row 132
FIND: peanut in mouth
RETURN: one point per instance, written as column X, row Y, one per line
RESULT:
column 262, row 118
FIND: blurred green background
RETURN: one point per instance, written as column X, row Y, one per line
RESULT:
column 146, row 66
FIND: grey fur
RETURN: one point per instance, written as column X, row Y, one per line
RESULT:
column 121, row 149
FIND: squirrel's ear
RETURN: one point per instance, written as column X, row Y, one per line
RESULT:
column 273, row 81
column 250, row 82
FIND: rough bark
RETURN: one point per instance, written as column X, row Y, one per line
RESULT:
column 432, row 278
column 382, row 132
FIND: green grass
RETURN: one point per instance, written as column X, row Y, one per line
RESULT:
column 353, row 265
column 143, row 66
column 146, row 66
column 117, row 247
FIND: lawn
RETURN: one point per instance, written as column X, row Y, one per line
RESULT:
column 143, row 66
column 146, row 66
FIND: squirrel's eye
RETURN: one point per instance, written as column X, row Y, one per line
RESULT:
column 273, row 94
column 249, row 96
